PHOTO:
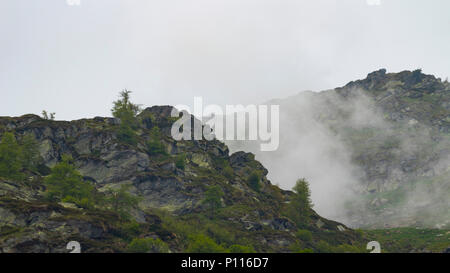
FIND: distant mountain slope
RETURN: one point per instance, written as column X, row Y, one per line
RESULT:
column 377, row 149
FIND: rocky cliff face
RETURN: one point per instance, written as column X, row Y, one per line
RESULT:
column 171, row 193
column 381, row 143
column 406, row 163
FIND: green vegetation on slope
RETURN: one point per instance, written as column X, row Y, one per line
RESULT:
column 404, row 240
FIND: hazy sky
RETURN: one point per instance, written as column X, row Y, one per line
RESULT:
column 73, row 60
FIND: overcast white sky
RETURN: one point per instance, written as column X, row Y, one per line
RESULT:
column 73, row 60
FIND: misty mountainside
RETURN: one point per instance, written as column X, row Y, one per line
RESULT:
column 376, row 151
column 142, row 191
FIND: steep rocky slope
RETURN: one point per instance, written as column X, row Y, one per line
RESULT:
column 406, row 161
column 171, row 192
column 381, row 144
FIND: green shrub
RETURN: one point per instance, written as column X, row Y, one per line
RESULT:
column 129, row 230
column 299, row 208
column 83, row 202
column 126, row 111
column 147, row 245
column 66, row 183
column 48, row 116
column 155, row 145
column 324, row 247
column 228, row 172
column 121, row 201
column 219, row 234
column 304, row 235
column 359, row 232
column 297, row 247
column 213, row 199
column 254, row 181
column 305, row 250
column 180, row 161
column 10, row 157
column 30, row 152
column 241, row 249
column 15, row 156
column 126, row 134
column 203, row 244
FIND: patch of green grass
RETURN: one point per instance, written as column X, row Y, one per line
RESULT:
column 401, row 240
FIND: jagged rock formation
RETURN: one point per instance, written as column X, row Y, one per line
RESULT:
column 407, row 97
column 30, row 223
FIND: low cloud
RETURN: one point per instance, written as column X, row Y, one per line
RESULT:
column 351, row 153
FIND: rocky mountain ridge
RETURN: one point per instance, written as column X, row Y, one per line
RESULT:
column 171, row 185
